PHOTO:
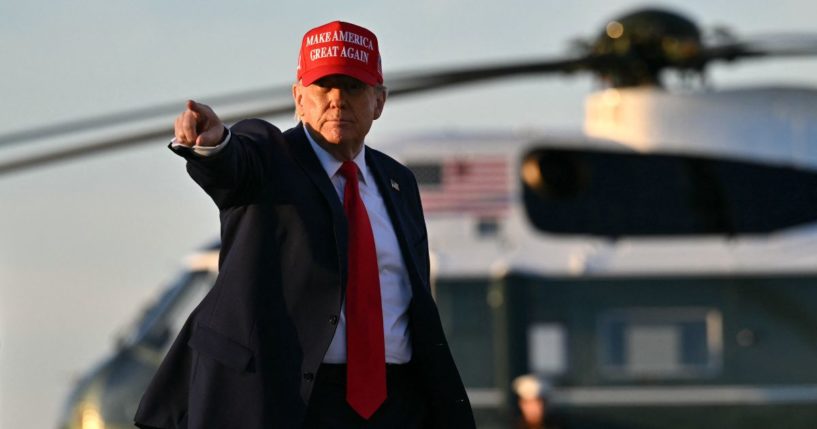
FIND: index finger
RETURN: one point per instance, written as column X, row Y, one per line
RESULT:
column 201, row 109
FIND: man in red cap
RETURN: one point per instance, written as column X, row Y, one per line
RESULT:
column 322, row 314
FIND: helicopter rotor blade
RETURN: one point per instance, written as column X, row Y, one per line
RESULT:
column 124, row 141
column 411, row 83
column 400, row 85
column 129, row 116
column 771, row 45
column 403, row 83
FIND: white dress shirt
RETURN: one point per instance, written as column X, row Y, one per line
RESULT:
column 395, row 288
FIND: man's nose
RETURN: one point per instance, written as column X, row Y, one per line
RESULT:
column 337, row 97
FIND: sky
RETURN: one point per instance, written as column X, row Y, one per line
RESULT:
column 85, row 244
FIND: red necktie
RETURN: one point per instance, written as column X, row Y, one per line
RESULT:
column 365, row 349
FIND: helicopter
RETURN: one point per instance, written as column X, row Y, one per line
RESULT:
column 652, row 266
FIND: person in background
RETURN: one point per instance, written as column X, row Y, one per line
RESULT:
column 532, row 399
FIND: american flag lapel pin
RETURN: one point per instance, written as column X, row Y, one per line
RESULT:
column 395, row 185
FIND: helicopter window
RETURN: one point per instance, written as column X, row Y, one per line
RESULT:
column 162, row 321
column 427, row 174
column 140, row 328
column 194, row 291
column 547, row 350
column 487, row 227
column 665, row 343
column 614, row 194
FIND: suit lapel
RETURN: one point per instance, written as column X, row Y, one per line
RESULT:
column 306, row 158
column 389, row 188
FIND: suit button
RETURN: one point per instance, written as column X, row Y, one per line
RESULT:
column 333, row 319
column 308, row 376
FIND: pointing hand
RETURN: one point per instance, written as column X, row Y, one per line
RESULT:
column 198, row 125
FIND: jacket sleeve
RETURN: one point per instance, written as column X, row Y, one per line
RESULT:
column 234, row 175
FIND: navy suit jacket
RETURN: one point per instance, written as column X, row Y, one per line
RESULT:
column 248, row 355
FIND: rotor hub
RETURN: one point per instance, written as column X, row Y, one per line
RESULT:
column 636, row 47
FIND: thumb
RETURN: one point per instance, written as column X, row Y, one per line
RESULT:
column 212, row 136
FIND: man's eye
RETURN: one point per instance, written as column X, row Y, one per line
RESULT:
column 354, row 87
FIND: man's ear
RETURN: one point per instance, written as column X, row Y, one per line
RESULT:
column 380, row 102
column 296, row 97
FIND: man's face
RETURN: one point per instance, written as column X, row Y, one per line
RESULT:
column 339, row 108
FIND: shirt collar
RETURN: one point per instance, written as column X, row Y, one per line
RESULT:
column 332, row 165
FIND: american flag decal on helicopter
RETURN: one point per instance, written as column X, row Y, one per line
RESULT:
column 477, row 185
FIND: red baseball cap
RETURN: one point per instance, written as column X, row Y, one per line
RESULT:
column 339, row 48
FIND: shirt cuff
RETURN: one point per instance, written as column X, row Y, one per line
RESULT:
column 205, row 150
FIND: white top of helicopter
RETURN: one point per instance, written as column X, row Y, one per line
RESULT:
column 773, row 126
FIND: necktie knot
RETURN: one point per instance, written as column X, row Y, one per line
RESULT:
column 349, row 170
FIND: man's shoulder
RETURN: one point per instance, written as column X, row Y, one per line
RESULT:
column 260, row 128
column 387, row 162
column 254, row 124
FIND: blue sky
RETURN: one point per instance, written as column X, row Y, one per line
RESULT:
column 84, row 244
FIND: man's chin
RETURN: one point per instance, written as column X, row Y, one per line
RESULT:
column 337, row 138
column 331, row 136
